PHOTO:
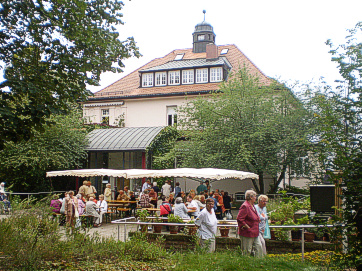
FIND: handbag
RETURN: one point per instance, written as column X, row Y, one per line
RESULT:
column 267, row 231
column 76, row 213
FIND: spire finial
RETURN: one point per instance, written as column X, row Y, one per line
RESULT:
column 204, row 11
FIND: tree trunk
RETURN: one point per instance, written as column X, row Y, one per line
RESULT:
column 256, row 186
column 261, row 182
column 281, row 177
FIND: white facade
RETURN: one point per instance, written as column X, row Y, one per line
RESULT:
column 151, row 112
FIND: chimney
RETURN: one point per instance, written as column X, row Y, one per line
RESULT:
column 211, row 51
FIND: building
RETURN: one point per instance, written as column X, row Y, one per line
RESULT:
column 150, row 96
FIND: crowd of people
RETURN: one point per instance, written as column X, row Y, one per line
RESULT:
column 204, row 205
column 84, row 203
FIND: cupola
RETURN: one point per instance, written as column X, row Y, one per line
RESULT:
column 203, row 35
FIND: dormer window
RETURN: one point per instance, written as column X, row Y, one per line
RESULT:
column 179, row 56
column 147, row 80
column 216, row 74
column 160, row 79
column 174, row 77
column 187, row 76
column 201, row 75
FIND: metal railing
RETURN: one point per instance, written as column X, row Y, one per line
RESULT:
column 35, row 193
column 301, row 227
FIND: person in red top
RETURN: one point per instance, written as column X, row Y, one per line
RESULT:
column 153, row 197
column 248, row 223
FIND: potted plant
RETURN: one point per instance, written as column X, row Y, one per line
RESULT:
column 174, row 219
column 224, row 231
column 142, row 217
column 157, row 228
column 192, row 229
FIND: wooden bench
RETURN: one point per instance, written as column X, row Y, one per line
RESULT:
column 122, row 211
column 108, row 216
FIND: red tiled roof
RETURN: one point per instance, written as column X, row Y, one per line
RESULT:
column 130, row 84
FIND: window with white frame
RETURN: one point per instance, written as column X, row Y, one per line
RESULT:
column 105, row 116
column 174, row 77
column 171, row 115
column 216, row 74
column 187, row 76
column 160, row 79
column 147, row 79
column 201, row 75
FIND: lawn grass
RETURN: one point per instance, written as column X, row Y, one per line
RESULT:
column 233, row 260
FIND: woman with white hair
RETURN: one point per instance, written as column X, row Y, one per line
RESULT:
column 248, row 222
column 180, row 208
column 155, row 187
column 264, row 232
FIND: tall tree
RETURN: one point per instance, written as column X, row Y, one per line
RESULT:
column 246, row 126
column 49, row 51
column 337, row 117
column 61, row 146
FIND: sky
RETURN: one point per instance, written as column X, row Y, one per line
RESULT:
column 285, row 39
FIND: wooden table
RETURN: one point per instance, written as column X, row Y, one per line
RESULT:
column 119, row 204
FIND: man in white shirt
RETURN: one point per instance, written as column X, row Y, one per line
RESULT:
column 103, row 207
column 146, row 185
column 166, row 189
column 207, row 223
column 193, row 208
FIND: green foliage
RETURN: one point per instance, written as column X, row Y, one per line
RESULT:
column 27, row 234
column 174, row 219
column 337, row 137
column 246, row 126
column 31, row 240
column 51, row 50
column 282, row 209
column 162, row 148
column 139, row 249
column 142, row 215
column 163, row 152
column 60, row 146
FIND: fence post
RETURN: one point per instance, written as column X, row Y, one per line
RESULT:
column 302, row 244
column 125, row 232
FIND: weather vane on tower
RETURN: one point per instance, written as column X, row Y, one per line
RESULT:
column 204, row 11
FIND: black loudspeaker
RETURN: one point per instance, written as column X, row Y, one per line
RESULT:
column 322, row 198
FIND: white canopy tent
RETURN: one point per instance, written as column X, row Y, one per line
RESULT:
column 200, row 173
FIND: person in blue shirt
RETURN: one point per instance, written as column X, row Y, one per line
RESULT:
column 215, row 200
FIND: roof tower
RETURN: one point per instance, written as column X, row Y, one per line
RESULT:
column 203, row 35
